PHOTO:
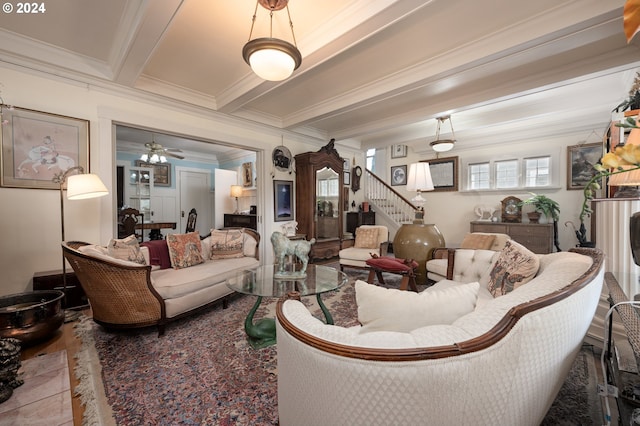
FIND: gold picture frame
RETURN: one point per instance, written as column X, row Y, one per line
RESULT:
column 580, row 161
column 247, row 174
column 38, row 145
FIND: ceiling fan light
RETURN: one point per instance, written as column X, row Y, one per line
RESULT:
column 154, row 158
column 271, row 59
column 163, row 159
column 144, row 157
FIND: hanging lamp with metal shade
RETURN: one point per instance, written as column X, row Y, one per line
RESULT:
column 271, row 58
column 443, row 145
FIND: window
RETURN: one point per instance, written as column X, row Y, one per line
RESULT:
column 371, row 159
column 537, row 171
column 506, row 174
column 527, row 172
column 479, row 176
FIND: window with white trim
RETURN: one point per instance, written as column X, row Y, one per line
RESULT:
column 506, row 173
column 371, row 159
column 537, row 171
column 479, row 176
column 526, row 172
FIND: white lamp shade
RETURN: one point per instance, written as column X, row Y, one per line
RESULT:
column 272, row 64
column 84, row 186
column 236, row 191
column 419, row 178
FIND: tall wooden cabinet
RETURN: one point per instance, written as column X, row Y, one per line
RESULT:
column 319, row 203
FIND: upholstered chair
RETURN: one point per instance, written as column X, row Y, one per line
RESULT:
column 470, row 261
column 370, row 239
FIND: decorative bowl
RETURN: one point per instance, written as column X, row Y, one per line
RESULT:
column 31, row 317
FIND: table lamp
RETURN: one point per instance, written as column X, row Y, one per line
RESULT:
column 419, row 180
column 236, row 191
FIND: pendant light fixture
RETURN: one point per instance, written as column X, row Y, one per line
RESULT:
column 271, row 58
column 443, row 145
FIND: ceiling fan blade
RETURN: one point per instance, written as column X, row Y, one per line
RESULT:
column 173, row 150
column 171, row 154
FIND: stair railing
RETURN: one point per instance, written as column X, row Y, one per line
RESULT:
column 385, row 199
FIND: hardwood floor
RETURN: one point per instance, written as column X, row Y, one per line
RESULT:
column 63, row 339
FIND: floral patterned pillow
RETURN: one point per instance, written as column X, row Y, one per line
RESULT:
column 126, row 249
column 184, row 250
column 515, row 266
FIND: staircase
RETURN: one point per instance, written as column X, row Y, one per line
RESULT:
column 392, row 208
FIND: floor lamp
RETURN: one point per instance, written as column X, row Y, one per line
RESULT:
column 79, row 187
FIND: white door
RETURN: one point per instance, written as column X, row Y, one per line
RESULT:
column 195, row 194
column 224, row 203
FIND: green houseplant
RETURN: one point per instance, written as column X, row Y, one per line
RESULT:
column 549, row 208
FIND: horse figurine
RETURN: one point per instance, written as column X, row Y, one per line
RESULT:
column 283, row 246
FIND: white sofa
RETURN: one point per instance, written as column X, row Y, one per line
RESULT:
column 125, row 294
column 501, row 364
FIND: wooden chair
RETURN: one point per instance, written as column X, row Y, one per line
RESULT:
column 129, row 218
column 191, row 221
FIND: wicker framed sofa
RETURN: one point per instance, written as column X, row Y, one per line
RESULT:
column 130, row 290
column 503, row 362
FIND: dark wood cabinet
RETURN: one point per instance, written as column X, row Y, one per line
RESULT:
column 319, row 200
column 241, row 221
column 52, row 280
column 355, row 219
column 536, row 237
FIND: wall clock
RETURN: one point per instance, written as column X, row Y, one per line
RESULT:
column 355, row 180
column 511, row 209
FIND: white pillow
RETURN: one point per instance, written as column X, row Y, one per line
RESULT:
column 387, row 309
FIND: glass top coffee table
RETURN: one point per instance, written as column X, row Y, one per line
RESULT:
column 260, row 282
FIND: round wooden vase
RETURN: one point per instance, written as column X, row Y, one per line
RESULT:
column 416, row 241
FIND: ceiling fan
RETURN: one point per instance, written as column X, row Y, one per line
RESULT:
column 158, row 154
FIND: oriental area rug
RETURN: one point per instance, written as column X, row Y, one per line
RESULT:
column 203, row 371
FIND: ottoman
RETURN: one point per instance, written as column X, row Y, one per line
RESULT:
column 405, row 267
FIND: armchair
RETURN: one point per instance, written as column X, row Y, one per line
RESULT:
column 369, row 239
column 477, row 251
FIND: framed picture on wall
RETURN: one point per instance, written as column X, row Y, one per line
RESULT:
column 398, row 151
column 247, row 174
column 347, row 178
column 36, row 146
column 444, row 173
column 283, row 200
column 399, row 175
column 580, row 161
column 161, row 172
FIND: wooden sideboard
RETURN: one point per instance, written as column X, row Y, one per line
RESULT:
column 535, row 236
column 241, row 221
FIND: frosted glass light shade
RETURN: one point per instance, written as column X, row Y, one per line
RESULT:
column 442, row 145
column 271, row 58
column 83, row 186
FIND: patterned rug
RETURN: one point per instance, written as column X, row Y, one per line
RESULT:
column 202, row 371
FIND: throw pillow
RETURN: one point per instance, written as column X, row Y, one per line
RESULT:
column 392, row 264
column 515, row 266
column 184, row 249
column 366, row 238
column 158, row 253
column 126, row 249
column 227, row 244
column 388, row 309
column 478, row 241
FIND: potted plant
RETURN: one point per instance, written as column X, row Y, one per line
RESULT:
column 545, row 205
column 549, row 208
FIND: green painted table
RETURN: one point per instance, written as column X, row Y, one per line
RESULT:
column 261, row 282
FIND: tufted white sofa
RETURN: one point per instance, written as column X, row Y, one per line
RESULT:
column 503, row 363
column 463, row 264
